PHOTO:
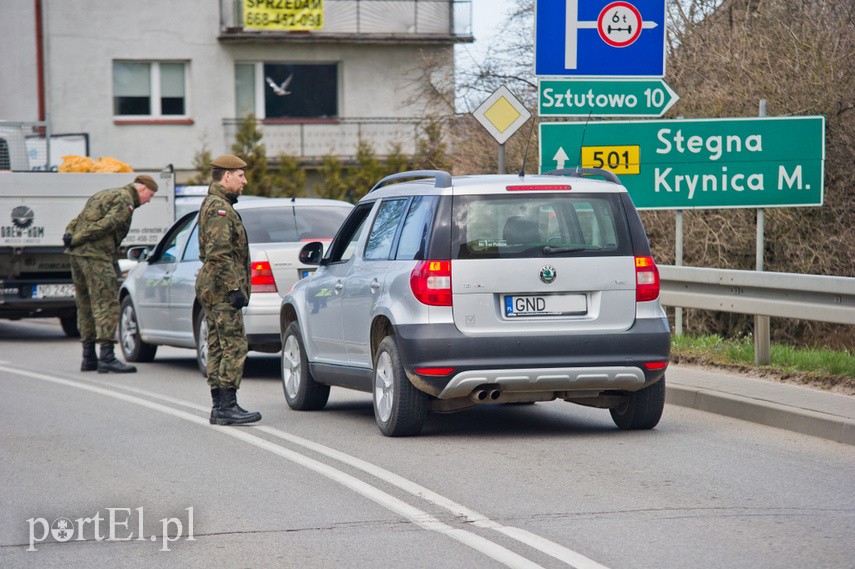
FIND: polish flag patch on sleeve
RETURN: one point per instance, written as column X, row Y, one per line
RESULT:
column 130, row 208
column 221, row 212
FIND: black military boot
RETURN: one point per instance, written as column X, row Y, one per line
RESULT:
column 108, row 362
column 229, row 413
column 90, row 358
column 215, row 407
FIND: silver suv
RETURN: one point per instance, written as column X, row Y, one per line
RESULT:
column 439, row 293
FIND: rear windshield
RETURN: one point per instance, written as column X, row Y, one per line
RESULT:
column 291, row 224
column 542, row 225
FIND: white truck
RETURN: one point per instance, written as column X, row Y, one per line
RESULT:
column 35, row 207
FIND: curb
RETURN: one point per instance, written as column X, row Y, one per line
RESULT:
column 822, row 425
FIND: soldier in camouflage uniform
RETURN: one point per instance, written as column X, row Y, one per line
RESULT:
column 92, row 240
column 223, row 288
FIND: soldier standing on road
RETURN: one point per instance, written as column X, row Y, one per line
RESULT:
column 92, row 240
column 222, row 286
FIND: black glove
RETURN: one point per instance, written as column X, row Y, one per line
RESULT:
column 66, row 240
column 237, row 299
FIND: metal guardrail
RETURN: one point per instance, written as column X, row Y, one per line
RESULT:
column 786, row 295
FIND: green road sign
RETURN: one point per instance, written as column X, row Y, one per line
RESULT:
column 604, row 98
column 699, row 163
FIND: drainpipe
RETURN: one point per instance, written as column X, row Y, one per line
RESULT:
column 40, row 59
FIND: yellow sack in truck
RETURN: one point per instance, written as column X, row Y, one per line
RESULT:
column 108, row 164
column 73, row 163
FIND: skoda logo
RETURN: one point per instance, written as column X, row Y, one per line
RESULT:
column 548, row 274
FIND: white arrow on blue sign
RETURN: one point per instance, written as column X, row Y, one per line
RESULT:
column 600, row 38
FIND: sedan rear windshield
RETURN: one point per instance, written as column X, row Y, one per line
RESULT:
column 292, row 224
column 542, row 225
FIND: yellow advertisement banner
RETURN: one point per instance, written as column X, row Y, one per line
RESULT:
column 287, row 15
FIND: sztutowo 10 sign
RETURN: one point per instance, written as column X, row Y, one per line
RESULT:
column 699, row 163
column 283, row 15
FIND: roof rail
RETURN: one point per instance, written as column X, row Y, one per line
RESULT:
column 582, row 172
column 443, row 178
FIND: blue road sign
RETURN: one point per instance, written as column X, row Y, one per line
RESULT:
column 599, row 38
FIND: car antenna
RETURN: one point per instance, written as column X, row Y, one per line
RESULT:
column 582, row 143
column 294, row 213
column 527, row 144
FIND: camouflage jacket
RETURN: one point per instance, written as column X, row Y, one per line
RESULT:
column 100, row 227
column 223, row 248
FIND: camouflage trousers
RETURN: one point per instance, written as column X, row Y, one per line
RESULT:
column 96, row 292
column 227, row 345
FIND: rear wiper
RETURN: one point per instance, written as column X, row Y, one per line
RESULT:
column 549, row 250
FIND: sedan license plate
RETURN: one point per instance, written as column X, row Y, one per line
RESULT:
column 545, row 305
column 53, row 290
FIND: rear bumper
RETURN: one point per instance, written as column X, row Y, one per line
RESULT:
column 261, row 322
column 576, row 362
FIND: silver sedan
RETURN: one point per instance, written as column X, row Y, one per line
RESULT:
column 158, row 297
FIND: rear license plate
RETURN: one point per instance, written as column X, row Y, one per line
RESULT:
column 545, row 305
column 306, row 272
column 53, row 290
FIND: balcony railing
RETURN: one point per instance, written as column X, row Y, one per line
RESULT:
column 311, row 140
column 364, row 20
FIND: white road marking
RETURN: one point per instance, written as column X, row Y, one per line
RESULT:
column 416, row 516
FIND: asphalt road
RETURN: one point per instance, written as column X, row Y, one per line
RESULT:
column 125, row 471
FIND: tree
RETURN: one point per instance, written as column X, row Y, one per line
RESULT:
column 249, row 147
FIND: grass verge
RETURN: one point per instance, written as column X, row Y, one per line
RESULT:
column 818, row 368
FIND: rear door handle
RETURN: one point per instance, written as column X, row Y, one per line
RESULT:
column 338, row 286
column 375, row 285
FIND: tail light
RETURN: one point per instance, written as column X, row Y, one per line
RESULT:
column 434, row 371
column 646, row 279
column 430, row 282
column 261, row 277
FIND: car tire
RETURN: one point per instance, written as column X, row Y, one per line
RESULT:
column 642, row 409
column 200, row 332
column 399, row 408
column 133, row 347
column 301, row 390
column 69, row 325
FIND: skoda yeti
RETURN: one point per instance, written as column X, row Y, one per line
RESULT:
column 440, row 293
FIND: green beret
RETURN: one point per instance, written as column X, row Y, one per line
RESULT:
column 147, row 181
column 228, row 162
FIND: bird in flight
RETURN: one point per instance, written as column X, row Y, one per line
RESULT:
column 282, row 89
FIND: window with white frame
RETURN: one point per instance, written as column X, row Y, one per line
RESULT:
column 152, row 89
column 281, row 90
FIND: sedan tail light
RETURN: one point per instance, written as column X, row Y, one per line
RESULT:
column 646, row 279
column 430, row 282
column 261, row 277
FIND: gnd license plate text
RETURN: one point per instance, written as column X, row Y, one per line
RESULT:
column 545, row 305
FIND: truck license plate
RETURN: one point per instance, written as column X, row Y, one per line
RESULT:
column 545, row 305
column 53, row 290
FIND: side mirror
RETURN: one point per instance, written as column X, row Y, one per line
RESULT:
column 311, row 253
column 138, row 253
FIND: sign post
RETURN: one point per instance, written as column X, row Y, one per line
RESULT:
column 699, row 163
column 502, row 114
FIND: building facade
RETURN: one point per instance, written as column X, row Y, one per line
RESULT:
column 153, row 83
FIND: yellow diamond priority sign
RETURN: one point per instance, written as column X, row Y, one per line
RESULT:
column 501, row 114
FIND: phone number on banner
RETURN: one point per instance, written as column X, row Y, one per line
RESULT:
column 284, row 14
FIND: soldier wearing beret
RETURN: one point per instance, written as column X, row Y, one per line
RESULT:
column 223, row 287
column 92, row 240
